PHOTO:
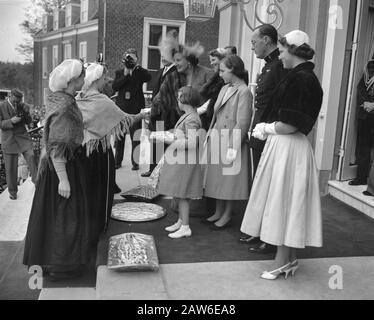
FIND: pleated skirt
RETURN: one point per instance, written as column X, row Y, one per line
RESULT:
column 181, row 180
column 284, row 206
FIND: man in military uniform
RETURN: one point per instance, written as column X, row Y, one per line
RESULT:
column 264, row 44
column 14, row 115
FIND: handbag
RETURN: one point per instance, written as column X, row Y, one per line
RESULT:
column 154, row 179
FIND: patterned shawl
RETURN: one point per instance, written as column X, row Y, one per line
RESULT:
column 102, row 118
column 63, row 129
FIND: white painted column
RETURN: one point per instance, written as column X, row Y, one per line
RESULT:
column 332, row 85
column 230, row 25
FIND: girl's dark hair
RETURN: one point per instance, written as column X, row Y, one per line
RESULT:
column 235, row 63
column 305, row 51
column 190, row 96
column 232, row 49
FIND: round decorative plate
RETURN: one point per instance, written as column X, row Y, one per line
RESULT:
column 137, row 212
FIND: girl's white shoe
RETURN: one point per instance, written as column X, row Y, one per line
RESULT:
column 183, row 232
column 174, row 227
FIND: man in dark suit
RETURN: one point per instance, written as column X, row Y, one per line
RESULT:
column 264, row 44
column 168, row 68
column 129, row 84
column 365, row 124
column 14, row 115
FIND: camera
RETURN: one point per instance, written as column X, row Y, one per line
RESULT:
column 129, row 62
column 20, row 111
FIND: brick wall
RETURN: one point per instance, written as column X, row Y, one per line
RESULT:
column 125, row 23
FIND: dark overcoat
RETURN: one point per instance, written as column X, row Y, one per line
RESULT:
column 130, row 89
column 14, row 137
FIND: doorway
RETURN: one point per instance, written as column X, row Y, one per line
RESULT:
column 362, row 51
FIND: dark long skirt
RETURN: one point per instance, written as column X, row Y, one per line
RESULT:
column 59, row 232
column 101, row 179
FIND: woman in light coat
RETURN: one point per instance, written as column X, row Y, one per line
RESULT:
column 226, row 153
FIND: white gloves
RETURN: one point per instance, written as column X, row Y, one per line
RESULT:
column 203, row 109
column 145, row 110
column 231, row 155
column 369, row 106
column 263, row 130
column 259, row 132
column 163, row 136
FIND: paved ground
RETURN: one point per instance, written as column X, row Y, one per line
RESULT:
column 317, row 278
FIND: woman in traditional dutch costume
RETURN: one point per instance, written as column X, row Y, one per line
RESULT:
column 284, row 208
column 102, row 119
column 58, row 234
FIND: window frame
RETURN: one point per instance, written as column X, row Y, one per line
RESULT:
column 45, row 95
column 56, row 16
column 68, row 15
column 164, row 23
column 80, row 50
column 45, row 62
column 67, row 45
column 84, row 9
column 54, row 56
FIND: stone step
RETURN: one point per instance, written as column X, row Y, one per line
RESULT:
column 352, row 196
column 68, row 294
column 114, row 285
column 317, row 279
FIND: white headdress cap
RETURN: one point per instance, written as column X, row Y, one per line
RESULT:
column 93, row 72
column 64, row 73
column 297, row 38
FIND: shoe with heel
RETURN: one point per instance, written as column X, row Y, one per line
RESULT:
column 273, row 275
column 294, row 266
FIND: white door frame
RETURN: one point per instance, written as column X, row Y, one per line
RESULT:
column 349, row 100
column 347, row 170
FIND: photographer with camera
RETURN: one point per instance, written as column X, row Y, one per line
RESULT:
column 14, row 116
column 129, row 84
